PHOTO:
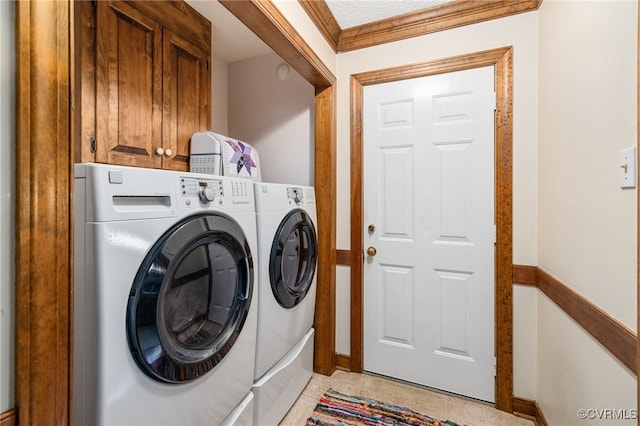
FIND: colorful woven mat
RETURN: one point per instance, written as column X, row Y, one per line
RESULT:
column 336, row 408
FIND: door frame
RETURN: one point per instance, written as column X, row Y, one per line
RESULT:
column 502, row 60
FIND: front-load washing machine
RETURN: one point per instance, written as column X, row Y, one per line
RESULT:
column 165, row 305
column 287, row 241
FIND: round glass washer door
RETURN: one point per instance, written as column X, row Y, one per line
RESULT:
column 292, row 264
column 190, row 298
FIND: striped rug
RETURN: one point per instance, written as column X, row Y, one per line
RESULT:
column 336, row 408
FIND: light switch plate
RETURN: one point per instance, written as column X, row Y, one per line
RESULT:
column 627, row 163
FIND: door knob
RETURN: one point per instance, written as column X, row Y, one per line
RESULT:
column 168, row 152
column 159, row 151
column 371, row 251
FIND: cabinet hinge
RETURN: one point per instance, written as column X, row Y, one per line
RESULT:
column 92, row 144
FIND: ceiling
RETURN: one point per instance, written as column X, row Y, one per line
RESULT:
column 233, row 41
column 351, row 13
column 353, row 24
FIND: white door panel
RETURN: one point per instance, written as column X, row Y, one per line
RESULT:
column 396, row 320
column 429, row 192
column 396, row 198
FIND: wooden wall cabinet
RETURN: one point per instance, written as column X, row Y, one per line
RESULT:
column 145, row 82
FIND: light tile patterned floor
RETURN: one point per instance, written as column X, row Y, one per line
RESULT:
column 434, row 404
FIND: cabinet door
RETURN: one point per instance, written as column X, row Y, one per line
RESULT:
column 186, row 97
column 128, row 86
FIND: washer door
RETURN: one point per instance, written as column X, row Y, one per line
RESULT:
column 190, row 298
column 292, row 263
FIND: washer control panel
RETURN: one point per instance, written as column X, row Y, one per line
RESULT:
column 206, row 190
column 295, row 194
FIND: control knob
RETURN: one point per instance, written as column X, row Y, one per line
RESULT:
column 206, row 194
column 297, row 197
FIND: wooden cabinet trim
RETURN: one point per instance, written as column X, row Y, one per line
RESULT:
column 128, row 122
column 180, row 88
column 98, row 87
column 180, row 18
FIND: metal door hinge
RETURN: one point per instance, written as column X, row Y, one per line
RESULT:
column 92, row 144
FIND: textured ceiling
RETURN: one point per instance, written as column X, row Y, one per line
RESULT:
column 235, row 42
column 351, row 13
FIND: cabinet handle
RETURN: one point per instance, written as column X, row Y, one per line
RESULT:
column 159, row 151
column 168, row 152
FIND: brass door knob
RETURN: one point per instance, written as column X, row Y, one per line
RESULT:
column 371, row 251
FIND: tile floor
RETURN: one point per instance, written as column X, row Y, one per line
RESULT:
column 434, row 404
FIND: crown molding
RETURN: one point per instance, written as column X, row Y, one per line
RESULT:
column 439, row 18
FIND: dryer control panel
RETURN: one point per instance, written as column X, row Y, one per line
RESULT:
column 241, row 191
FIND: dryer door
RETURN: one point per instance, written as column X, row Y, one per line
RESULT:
column 292, row 264
column 190, row 298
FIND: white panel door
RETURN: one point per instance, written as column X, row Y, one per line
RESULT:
column 429, row 196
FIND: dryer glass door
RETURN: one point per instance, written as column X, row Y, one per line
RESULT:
column 190, row 298
column 293, row 259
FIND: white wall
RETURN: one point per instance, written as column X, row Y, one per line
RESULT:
column 298, row 18
column 219, row 96
column 7, row 142
column 587, row 225
column 519, row 31
column 588, row 98
column 275, row 116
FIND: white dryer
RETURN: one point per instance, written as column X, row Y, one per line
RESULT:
column 165, row 305
column 287, row 241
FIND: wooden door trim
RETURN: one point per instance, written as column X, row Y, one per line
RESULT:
column 617, row 338
column 9, row 418
column 43, row 207
column 501, row 59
